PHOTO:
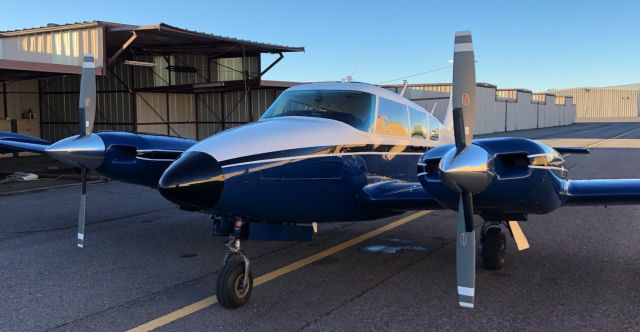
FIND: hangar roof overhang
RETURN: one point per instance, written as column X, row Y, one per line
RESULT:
column 39, row 52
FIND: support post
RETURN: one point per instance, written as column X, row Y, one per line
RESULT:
column 132, row 100
column 197, row 101
column 122, row 48
column 4, row 99
column 280, row 57
column 223, row 115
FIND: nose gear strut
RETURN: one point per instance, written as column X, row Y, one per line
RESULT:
column 235, row 281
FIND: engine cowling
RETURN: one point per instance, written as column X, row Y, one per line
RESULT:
column 517, row 176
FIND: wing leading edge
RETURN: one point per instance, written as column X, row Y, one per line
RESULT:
column 11, row 142
column 133, row 158
column 603, row 192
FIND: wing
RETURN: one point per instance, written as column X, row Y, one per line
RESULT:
column 603, row 192
column 133, row 158
column 11, row 142
column 399, row 196
column 565, row 150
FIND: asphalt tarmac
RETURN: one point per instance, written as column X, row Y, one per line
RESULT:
column 144, row 259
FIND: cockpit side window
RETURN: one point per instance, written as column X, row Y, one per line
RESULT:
column 354, row 108
column 419, row 124
column 392, row 119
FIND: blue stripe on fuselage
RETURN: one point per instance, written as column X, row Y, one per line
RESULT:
column 306, row 188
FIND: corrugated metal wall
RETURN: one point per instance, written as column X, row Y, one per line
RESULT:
column 22, row 103
column 499, row 110
column 120, row 106
column 59, row 101
column 604, row 102
column 22, row 96
column 176, row 114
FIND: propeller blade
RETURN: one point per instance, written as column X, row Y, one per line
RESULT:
column 466, row 252
column 463, row 90
column 87, row 103
column 86, row 117
column 82, row 212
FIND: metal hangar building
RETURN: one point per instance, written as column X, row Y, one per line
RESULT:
column 620, row 102
column 153, row 78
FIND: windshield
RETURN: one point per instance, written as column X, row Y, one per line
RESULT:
column 354, row 108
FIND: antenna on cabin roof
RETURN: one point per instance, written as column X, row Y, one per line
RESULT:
column 349, row 78
column 404, row 87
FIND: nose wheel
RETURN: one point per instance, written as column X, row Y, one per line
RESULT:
column 235, row 281
column 493, row 247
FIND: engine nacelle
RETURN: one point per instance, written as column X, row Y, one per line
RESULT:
column 526, row 177
column 139, row 158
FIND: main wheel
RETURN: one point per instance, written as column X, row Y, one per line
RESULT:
column 230, row 290
column 494, row 245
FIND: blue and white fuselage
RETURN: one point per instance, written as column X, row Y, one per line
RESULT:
column 303, row 162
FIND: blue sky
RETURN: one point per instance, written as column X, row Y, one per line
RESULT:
column 533, row 45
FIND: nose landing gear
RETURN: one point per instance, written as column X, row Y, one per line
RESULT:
column 235, row 281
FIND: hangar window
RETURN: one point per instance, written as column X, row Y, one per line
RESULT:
column 419, row 124
column 392, row 119
column 354, row 108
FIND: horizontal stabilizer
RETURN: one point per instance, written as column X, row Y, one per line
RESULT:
column 603, row 192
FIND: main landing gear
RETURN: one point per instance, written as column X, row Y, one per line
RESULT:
column 493, row 242
column 493, row 246
column 235, row 281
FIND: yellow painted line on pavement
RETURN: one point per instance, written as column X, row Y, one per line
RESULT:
column 613, row 142
column 211, row 300
column 619, row 143
column 612, row 138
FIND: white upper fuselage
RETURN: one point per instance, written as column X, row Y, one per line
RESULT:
column 298, row 132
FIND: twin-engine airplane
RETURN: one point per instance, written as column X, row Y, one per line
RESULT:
column 339, row 152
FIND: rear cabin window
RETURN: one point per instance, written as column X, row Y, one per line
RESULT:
column 392, row 119
column 434, row 128
column 419, row 124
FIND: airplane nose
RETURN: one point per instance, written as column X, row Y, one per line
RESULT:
column 195, row 181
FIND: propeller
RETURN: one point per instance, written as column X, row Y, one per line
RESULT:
column 85, row 150
column 466, row 168
column 86, row 117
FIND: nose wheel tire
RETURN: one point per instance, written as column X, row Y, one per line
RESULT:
column 232, row 292
column 494, row 245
